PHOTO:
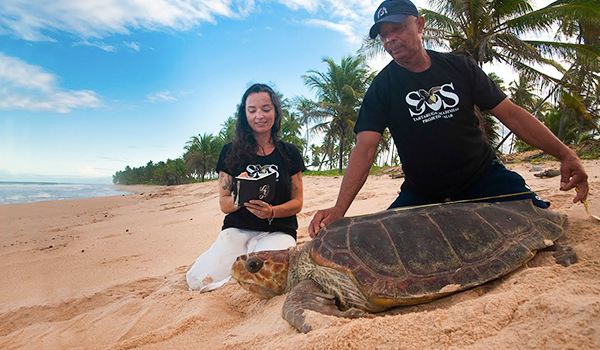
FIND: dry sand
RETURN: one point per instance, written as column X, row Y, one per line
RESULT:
column 109, row 273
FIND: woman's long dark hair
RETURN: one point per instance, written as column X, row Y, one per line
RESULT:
column 243, row 148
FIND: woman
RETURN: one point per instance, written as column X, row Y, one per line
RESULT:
column 256, row 225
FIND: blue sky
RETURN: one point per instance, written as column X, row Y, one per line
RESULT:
column 88, row 87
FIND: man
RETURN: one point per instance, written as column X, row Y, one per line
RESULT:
column 427, row 100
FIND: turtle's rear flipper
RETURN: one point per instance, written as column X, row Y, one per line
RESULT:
column 307, row 295
column 563, row 254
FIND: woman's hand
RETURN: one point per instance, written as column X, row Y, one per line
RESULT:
column 225, row 196
column 259, row 208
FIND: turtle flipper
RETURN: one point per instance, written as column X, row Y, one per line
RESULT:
column 564, row 255
column 307, row 295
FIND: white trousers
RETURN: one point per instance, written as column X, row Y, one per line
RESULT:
column 212, row 269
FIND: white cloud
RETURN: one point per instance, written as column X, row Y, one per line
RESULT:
column 161, row 96
column 102, row 46
column 342, row 28
column 97, row 19
column 351, row 18
column 165, row 96
column 308, row 5
column 27, row 87
column 132, row 45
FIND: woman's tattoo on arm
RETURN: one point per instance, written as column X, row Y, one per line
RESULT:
column 226, row 183
column 294, row 186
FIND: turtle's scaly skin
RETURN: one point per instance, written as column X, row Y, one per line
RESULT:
column 402, row 256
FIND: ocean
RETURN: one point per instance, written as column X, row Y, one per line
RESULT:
column 24, row 192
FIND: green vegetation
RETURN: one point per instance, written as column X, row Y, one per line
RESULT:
column 330, row 172
column 171, row 172
column 486, row 31
column 375, row 170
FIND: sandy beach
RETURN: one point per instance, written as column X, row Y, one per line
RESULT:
column 109, row 273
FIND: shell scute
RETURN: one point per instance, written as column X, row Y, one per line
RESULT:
column 433, row 284
column 508, row 222
column 471, row 238
column 385, row 289
column 421, row 244
column 465, row 276
column 516, row 254
column 533, row 240
column 365, row 277
column 372, row 245
column 492, row 269
column 549, row 229
column 344, row 260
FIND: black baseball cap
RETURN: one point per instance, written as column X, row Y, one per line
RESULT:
column 395, row 11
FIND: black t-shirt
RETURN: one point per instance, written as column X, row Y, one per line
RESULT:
column 431, row 118
column 273, row 162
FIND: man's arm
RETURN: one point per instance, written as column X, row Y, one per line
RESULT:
column 360, row 162
column 529, row 129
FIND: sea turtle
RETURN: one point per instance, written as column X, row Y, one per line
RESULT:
column 399, row 257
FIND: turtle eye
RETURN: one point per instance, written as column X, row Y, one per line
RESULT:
column 253, row 265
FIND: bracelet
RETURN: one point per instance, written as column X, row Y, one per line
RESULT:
column 272, row 214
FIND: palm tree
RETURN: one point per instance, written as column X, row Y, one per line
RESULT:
column 290, row 124
column 290, row 129
column 309, row 114
column 227, row 132
column 385, row 149
column 201, row 155
column 520, row 93
column 489, row 31
column 578, row 91
column 340, row 91
column 326, row 152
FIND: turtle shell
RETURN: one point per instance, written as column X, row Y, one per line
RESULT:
column 410, row 255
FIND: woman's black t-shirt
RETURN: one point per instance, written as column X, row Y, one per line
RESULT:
column 431, row 118
column 273, row 162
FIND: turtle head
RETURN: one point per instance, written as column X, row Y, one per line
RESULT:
column 263, row 273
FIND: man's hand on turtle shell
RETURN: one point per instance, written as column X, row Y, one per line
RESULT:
column 323, row 218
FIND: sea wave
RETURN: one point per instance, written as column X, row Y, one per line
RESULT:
column 24, row 192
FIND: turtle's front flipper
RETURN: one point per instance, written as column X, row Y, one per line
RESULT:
column 307, row 295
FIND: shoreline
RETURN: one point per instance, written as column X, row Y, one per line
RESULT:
column 109, row 272
column 12, row 192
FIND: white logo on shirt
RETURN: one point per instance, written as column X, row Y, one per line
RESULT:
column 256, row 170
column 437, row 99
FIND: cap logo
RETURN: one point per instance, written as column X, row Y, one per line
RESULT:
column 382, row 12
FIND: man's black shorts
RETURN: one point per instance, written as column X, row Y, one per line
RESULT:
column 496, row 184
